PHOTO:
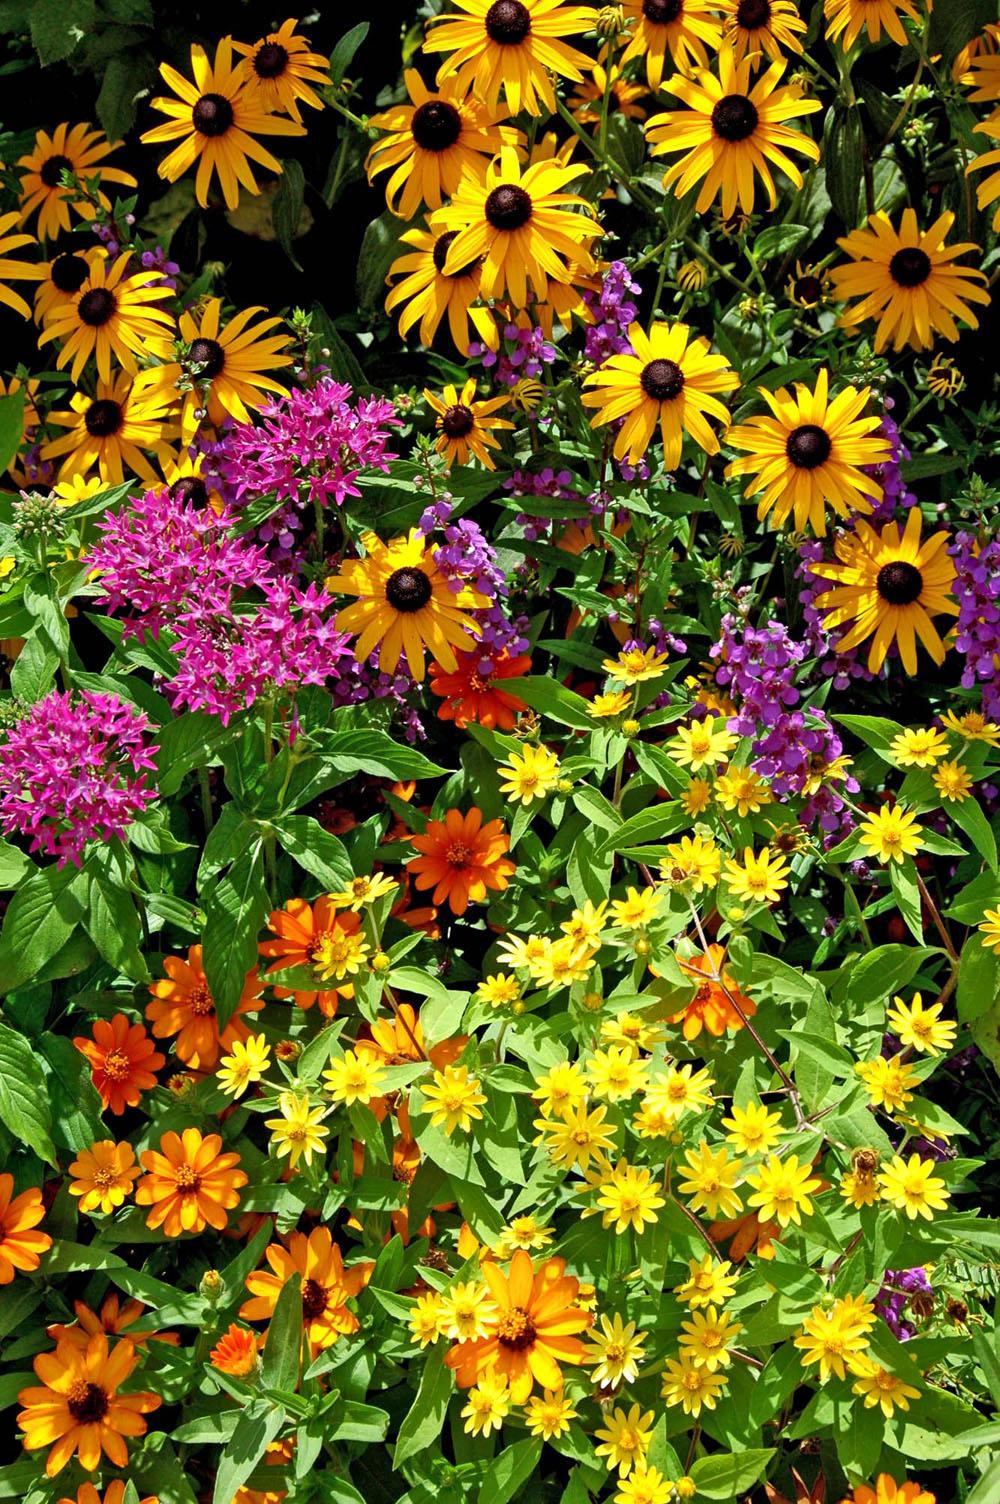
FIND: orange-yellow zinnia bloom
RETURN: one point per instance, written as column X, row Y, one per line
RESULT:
column 122, row 1059
column 460, row 858
column 236, row 1351
column 326, row 1286
column 183, row 1005
column 20, row 1245
column 711, row 1008
column 301, row 929
column 78, row 1407
column 189, row 1184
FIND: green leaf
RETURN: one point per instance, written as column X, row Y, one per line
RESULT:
column 882, row 972
column 876, row 731
column 978, row 980
column 33, row 673
column 283, row 1348
column 24, row 1102
column 724, row 1476
column 843, row 149
column 75, row 1103
column 903, row 881
column 987, row 1490
column 425, row 1420
column 234, row 912
column 951, row 26
column 41, row 917
column 14, row 866
column 112, row 920
column 286, row 208
column 125, row 78
column 317, row 852
column 507, row 1472
column 255, row 1430
column 342, row 55
column 838, row 1061
column 11, row 426
column 554, row 700
column 57, row 30
column 968, row 816
column 375, row 752
column 191, row 741
column 776, row 240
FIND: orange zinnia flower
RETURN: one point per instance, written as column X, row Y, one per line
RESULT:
column 277, row 1453
column 104, row 1175
column 113, row 1319
column 710, row 1008
column 460, row 858
column 470, row 693
column 532, row 1329
column 326, row 1286
column 183, row 1005
column 301, row 929
column 87, row 1494
column 122, row 1059
column 79, row 1408
column 20, row 1245
column 236, row 1351
column 189, row 1183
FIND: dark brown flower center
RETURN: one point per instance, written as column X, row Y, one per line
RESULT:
column 910, row 266
column 87, row 1403
column 436, row 125
column 96, row 307
column 515, row 1330
column 662, row 12
column 663, row 380
column 753, row 13
column 408, row 590
column 313, row 1300
column 808, row 289
column 69, row 272
column 508, row 207
column 734, row 118
column 899, row 583
column 52, row 169
column 212, row 115
column 208, row 355
column 103, row 418
column 190, row 488
column 808, row 446
column 457, row 421
column 439, row 254
column 508, row 22
column 270, row 60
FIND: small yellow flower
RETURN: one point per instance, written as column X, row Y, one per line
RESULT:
column 245, row 1066
column 564, row 962
column 692, row 863
column 632, row 1032
column 753, row 1129
column 706, row 1339
column 702, row 744
column 885, row 1389
column 953, row 781
column 615, row 1353
column 921, row 1028
column 339, row 953
column 760, row 878
column 624, row 1439
column 990, row 928
column 636, row 910
column 690, row 1385
column 616, row 1074
column 561, row 1090
column 298, row 1132
column 887, row 1082
column 361, row 891
column 709, row 1181
column 548, row 1415
column 615, row 702
column 696, row 797
column 428, row 1320
column 782, row 1189
column 577, row 1139
column 834, row 1339
column 911, row 1186
column 629, row 1198
column 709, row 1283
column 354, row 1078
column 919, row 749
column 634, row 665
column 860, row 1189
column 692, row 276
column 487, row 1406
column 669, row 1097
column 454, row 1099
column 586, row 926
column 467, row 1312
column 892, row 834
column 645, row 1486
column 530, row 774
column 499, row 990
column 972, row 727
column 743, row 790
column 522, row 1232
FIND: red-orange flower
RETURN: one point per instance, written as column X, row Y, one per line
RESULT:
column 301, row 929
column 711, row 1008
column 113, row 1319
column 236, row 1351
column 115, row 1494
column 20, row 1245
column 122, row 1060
column 183, row 1005
column 460, row 858
column 79, row 1409
column 189, row 1184
column 326, row 1286
column 471, row 693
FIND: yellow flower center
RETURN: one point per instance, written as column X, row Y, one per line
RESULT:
column 515, row 1329
column 117, row 1066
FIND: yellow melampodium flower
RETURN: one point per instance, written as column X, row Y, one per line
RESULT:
column 624, row 1439
column 953, row 781
column 709, row 1181
column 454, row 1099
column 299, row 1132
column 885, row 1389
column 891, row 833
column 888, row 1082
column 919, row 747
column 244, row 1066
column 691, row 1385
column 834, row 1339
column 782, row 1189
column 561, row 1090
column 354, row 1077
column 636, row 910
column 693, row 862
column 753, row 1129
column 705, row 1338
column 911, row 1186
column 616, row 1074
column 615, row 1353
column 760, row 877
column 921, row 1028
column 709, row 1283
column 702, row 744
column 529, row 774
column 629, row 1197
column 742, row 790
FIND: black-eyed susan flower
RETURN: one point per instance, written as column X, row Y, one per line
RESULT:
column 730, row 131
column 432, row 142
column 809, row 453
column 684, row 30
column 523, row 226
column 846, row 19
column 464, row 425
column 763, row 27
column 808, row 286
column 215, row 120
column 670, row 379
column 513, row 45
column 906, row 280
column 989, row 189
column 228, row 364
column 114, row 430
column 65, row 274
column 281, row 69
column 405, row 604
column 112, row 314
column 76, row 149
column 13, row 270
column 426, row 294
column 943, row 378
column 888, row 586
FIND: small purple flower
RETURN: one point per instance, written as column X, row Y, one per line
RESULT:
column 899, row 1286
column 613, row 311
column 977, row 631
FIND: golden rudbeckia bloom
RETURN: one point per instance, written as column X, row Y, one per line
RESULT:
column 12, row 270
column 405, row 604
column 685, row 29
column 229, row 363
column 433, row 142
column 77, row 149
column 905, row 280
column 889, row 586
column 215, row 120
column 523, row 225
column 989, row 189
column 280, row 68
column 847, row 19
column 65, row 274
column 808, row 454
column 670, row 379
column 426, row 293
column 766, row 27
column 463, row 424
column 111, row 314
column 730, row 130
column 77, row 1407
column 512, row 45
column 112, row 429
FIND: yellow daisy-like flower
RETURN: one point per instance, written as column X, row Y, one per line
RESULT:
column 432, row 142
column 809, row 454
column 669, row 380
column 972, row 727
column 753, row 1129
column 709, row 1283
column 953, row 781
column 760, row 877
column 636, row 665
column 103, row 1175
column 687, row 30
column 529, row 774
column 906, row 280
column 782, row 1189
column 731, row 130
column 615, row 702
column 636, row 910
column 454, row 1099
column 885, row 1389
column 693, row 862
column 244, row 1066
column 888, row 1082
column 111, row 431
column 499, row 991
column 615, row 1353
column 487, row 1405
column 891, row 833
column 362, row 891
column 299, row 1132
column 228, row 364
column 705, row 1338
column 464, row 425
column 709, row 1181
column 889, row 586
column 860, row 1190
column 696, row 797
column 667, row 1099
column 524, row 1233
column 13, row 270
column 691, row 1385
column 561, row 1090
column 629, row 1197
column 703, row 744
column 834, row 1340
column 523, row 225
column 919, row 748
column 989, row 189
column 77, row 149
column 615, row 1074
column 467, row 1312
column 576, row 1139
column 511, row 45
column 646, row 1485
column 549, row 1414
column 989, row 928
column 111, row 316
column 355, row 1077
column 624, row 1439
column 911, row 1186
column 742, row 790
column 215, row 120
column 428, row 1319
column 919, row 1028
column 64, row 276
column 846, row 19
column 280, row 69
column 762, row 28
column 405, row 605
column 427, row 294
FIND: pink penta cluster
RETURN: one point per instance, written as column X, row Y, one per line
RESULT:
column 73, row 770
